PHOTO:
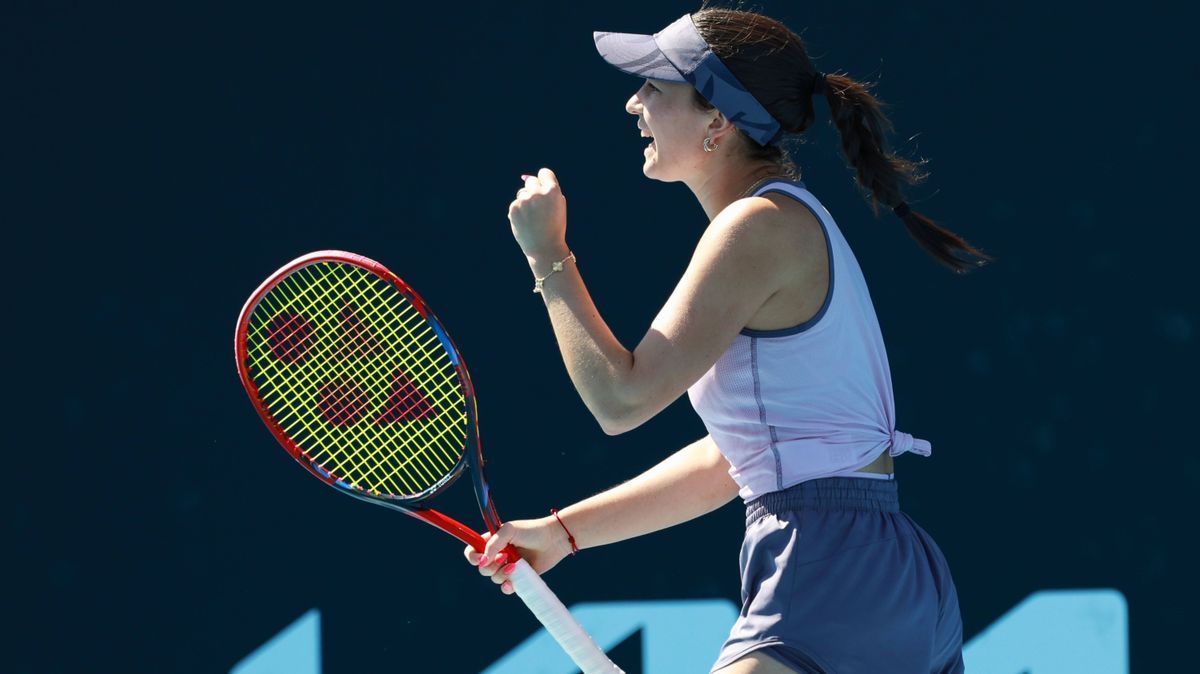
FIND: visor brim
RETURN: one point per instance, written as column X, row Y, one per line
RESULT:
column 636, row 55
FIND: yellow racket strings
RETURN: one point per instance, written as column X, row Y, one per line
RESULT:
column 348, row 327
column 341, row 456
column 428, row 474
column 358, row 379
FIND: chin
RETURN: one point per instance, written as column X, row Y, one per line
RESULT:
column 652, row 167
column 655, row 171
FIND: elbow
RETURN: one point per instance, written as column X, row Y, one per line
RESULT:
column 618, row 421
column 613, row 426
column 623, row 409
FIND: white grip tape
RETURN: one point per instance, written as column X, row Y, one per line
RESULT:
column 559, row 622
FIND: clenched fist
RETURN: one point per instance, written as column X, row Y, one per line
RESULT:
column 539, row 215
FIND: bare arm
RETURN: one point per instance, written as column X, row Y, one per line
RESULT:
column 691, row 482
column 736, row 266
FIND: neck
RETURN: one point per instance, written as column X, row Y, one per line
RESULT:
column 720, row 188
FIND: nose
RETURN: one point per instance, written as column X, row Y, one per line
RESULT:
column 633, row 105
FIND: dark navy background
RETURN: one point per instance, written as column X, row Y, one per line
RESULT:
column 160, row 160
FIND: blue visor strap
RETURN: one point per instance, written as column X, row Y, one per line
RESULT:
column 683, row 46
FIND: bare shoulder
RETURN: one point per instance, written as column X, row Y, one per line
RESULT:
column 773, row 228
column 767, row 219
column 798, row 254
column 787, row 218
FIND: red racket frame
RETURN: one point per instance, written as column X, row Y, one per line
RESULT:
column 413, row 506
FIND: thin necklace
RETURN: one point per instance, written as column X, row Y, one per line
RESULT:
column 759, row 183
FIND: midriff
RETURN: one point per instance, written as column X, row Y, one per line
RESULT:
column 883, row 464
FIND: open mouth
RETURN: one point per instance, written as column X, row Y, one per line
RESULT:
column 646, row 134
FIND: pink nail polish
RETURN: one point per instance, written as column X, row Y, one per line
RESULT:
column 508, row 570
column 506, row 585
column 501, row 558
column 525, row 177
column 483, row 560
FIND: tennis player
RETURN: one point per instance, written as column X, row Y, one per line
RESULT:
column 772, row 333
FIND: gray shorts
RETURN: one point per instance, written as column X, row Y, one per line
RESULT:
column 835, row 579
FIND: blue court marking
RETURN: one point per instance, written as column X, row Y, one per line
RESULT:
column 1060, row 631
column 295, row 650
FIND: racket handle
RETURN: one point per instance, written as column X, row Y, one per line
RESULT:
column 559, row 622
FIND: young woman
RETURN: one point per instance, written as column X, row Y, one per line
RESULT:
column 772, row 334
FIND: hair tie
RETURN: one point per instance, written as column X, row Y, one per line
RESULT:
column 902, row 210
column 819, row 85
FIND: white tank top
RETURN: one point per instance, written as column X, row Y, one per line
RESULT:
column 810, row 401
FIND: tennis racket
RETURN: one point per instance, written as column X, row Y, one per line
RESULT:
column 361, row 384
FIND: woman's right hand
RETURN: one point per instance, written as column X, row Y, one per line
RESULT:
column 541, row 542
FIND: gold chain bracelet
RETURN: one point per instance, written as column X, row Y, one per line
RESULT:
column 557, row 266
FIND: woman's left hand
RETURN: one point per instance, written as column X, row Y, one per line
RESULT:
column 539, row 215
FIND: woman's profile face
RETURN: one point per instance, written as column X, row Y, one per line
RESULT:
column 665, row 110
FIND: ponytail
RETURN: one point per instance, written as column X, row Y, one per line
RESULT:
column 859, row 118
column 772, row 63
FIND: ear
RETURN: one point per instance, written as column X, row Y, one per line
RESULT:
column 720, row 127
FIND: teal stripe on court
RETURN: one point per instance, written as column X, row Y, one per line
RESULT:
column 295, row 650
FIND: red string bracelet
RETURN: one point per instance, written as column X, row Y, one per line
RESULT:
column 574, row 548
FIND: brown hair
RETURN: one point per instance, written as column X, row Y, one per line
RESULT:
column 771, row 62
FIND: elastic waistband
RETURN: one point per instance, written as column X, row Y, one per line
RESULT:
column 828, row 493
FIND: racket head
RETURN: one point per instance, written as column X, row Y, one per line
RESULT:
column 360, row 383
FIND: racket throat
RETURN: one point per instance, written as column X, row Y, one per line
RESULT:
column 449, row 525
